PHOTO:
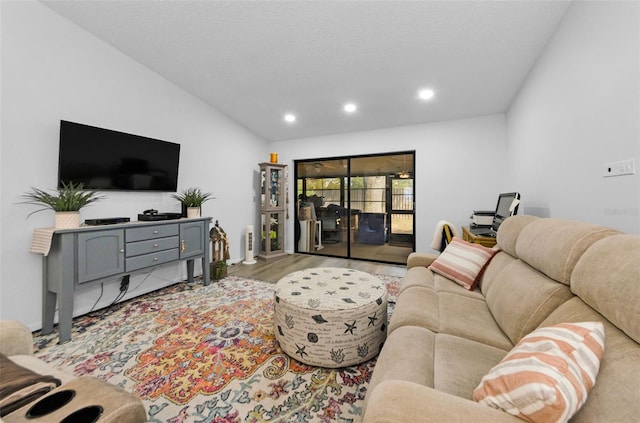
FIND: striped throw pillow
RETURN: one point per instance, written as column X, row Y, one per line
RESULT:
column 463, row 262
column 546, row 377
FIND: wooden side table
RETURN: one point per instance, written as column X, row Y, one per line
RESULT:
column 487, row 241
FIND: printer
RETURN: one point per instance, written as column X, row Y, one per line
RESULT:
column 482, row 218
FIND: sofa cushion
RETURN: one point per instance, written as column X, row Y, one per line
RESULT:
column 495, row 266
column 407, row 355
column 442, row 284
column 554, row 246
column 509, row 231
column 607, row 278
column 463, row 262
column 460, row 364
column 548, row 374
column 425, row 278
column 520, row 298
column 417, row 276
column 400, row 401
column 416, row 306
column 619, row 369
column 446, row 312
column 470, row 318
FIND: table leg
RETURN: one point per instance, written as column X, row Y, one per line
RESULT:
column 190, row 270
column 48, row 301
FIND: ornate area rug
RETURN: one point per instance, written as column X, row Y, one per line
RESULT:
column 197, row 353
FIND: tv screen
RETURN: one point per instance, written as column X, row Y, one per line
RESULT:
column 507, row 206
column 102, row 159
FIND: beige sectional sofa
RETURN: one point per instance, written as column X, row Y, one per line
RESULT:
column 443, row 338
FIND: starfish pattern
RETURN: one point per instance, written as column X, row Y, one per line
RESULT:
column 301, row 350
column 372, row 319
column 350, row 327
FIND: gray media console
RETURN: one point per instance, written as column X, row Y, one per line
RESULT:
column 91, row 254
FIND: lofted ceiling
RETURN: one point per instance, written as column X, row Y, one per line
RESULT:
column 255, row 61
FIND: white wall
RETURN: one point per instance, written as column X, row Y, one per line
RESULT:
column 579, row 109
column 460, row 166
column 52, row 70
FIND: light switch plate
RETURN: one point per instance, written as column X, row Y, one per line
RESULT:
column 623, row 167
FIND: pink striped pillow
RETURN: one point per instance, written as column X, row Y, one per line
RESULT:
column 546, row 377
column 463, row 262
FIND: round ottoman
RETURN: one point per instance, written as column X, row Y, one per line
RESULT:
column 330, row 317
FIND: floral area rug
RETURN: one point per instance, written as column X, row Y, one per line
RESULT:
column 197, row 353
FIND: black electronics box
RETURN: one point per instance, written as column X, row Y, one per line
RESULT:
column 158, row 216
column 106, row 221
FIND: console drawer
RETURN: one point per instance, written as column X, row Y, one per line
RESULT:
column 151, row 232
column 151, row 246
column 148, row 260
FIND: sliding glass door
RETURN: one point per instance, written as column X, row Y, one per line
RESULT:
column 322, row 206
column 357, row 207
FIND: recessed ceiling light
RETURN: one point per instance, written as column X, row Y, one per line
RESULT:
column 426, row 94
column 350, row 107
column 290, row 118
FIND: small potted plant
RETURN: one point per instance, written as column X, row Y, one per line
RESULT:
column 192, row 199
column 218, row 270
column 66, row 203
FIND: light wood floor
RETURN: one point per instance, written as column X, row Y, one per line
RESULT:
column 273, row 270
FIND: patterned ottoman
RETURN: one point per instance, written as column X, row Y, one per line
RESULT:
column 331, row 317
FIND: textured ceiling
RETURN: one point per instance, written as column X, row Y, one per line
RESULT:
column 257, row 60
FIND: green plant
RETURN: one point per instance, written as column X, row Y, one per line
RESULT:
column 193, row 197
column 218, row 269
column 69, row 197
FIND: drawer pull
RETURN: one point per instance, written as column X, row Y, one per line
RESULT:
column 155, row 259
column 155, row 232
column 155, row 245
column 122, row 251
column 182, row 246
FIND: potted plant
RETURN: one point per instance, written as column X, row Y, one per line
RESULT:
column 192, row 199
column 66, row 203
column 218, row 269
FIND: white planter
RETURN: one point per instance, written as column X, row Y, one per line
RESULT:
column 193, row 212
column 67, row 220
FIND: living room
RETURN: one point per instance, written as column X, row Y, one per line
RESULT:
column 576, row 109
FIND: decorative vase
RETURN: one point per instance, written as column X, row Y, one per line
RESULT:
column 67, row 220
column 193, row 212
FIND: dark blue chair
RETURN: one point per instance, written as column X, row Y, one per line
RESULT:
column 372, row 228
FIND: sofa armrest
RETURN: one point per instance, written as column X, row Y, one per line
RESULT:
column 420, row 259
column 401, row 401
column 15, row 338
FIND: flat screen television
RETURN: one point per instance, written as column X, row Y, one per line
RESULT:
column 103, row 159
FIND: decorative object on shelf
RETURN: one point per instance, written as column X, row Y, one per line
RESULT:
column 272, row 210
column 274, row 157
column 66, row 203
column 192, row 199
column 219, row 252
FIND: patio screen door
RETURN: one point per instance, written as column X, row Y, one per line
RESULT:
column 357, row 207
